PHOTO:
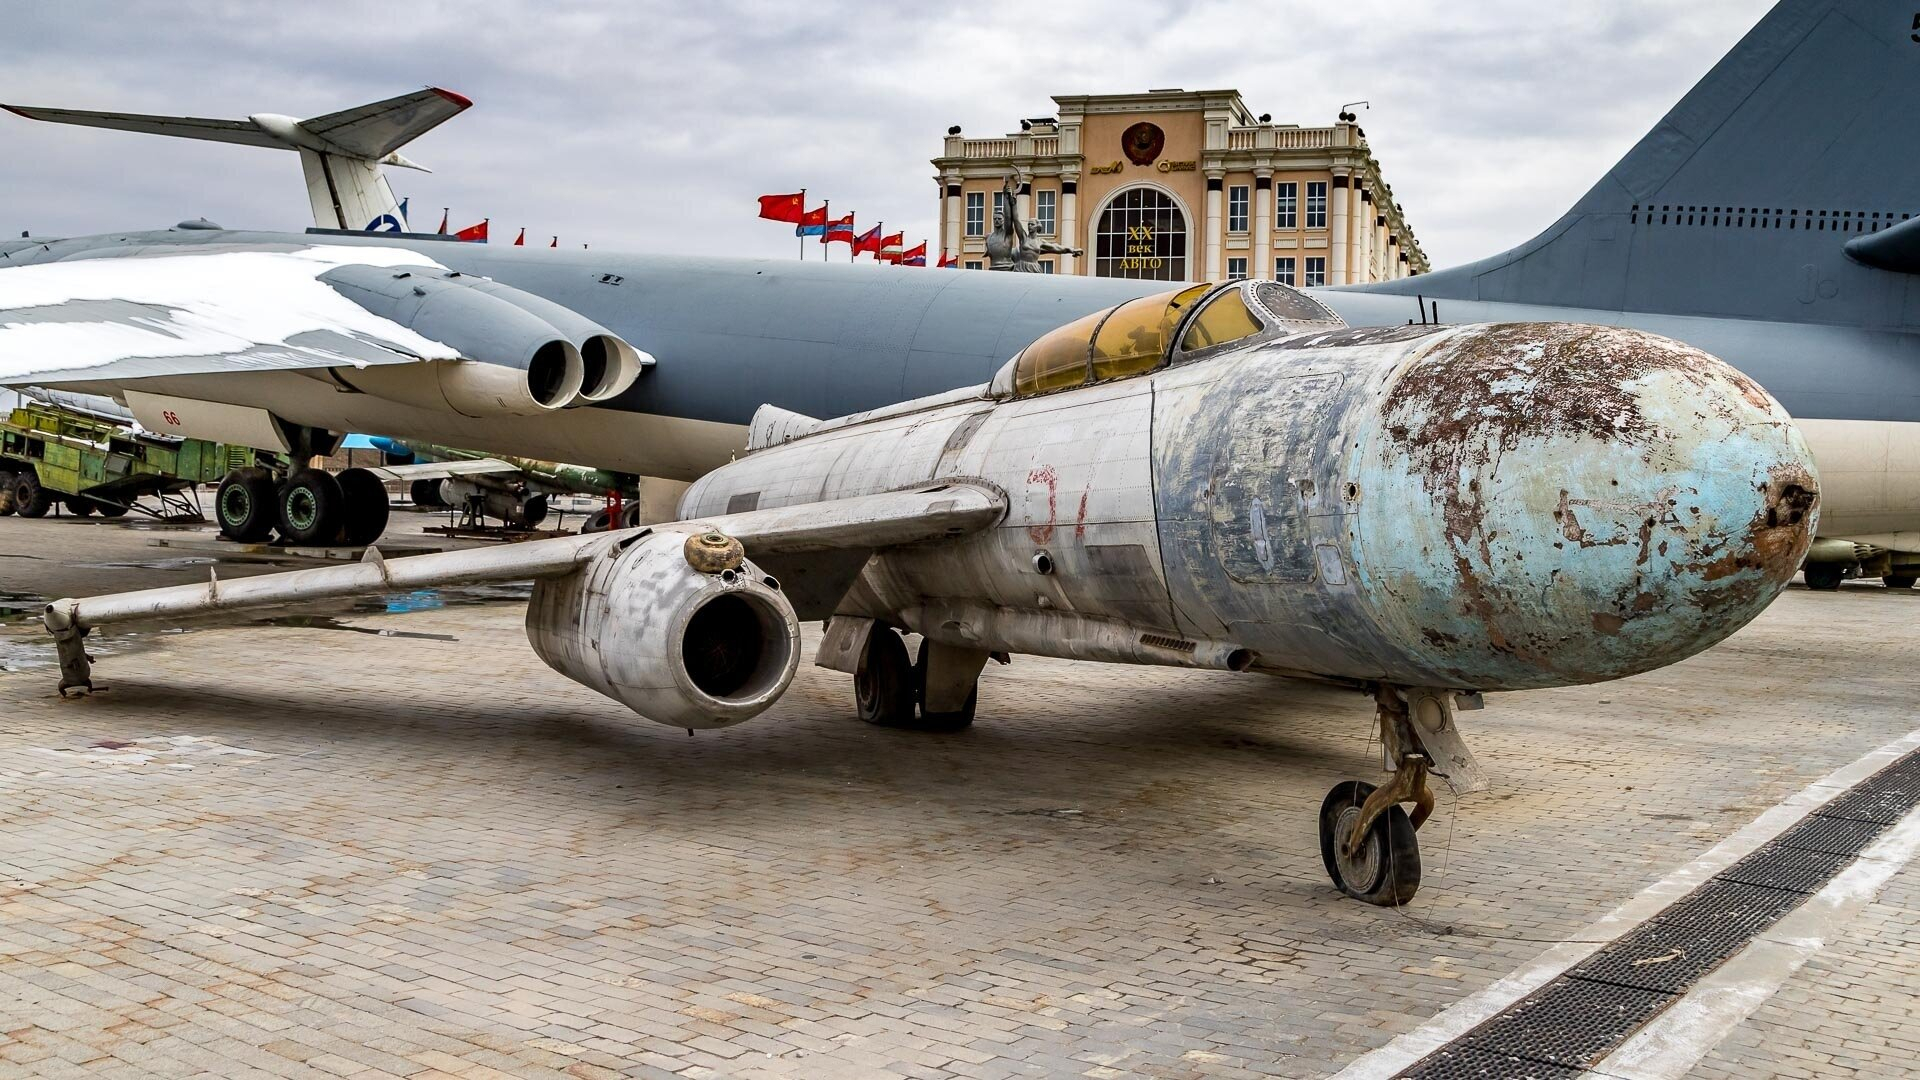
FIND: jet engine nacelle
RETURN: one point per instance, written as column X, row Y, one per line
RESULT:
column 680, row 645
column 521, row 355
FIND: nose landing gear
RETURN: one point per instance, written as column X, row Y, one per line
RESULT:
column 1366, row 840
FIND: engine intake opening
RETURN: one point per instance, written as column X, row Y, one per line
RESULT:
column 735, row 647
column 553, row 375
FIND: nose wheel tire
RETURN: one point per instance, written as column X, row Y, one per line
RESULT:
column 1824, row 577
column 244, row 506
column 309, row 505
column 883, row 688
column 364, row 506
column 959, row 720
column 1385, row 869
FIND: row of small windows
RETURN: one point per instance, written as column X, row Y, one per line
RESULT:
column 1283, row 270
column 1760, row 217
column 1286, row 208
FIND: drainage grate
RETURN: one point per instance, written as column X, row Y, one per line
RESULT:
column 1778, row 867
column 1569, row 1022
column 1664, row 956
column 1579, row 1017
column 1837, row 835
column 1469, row 1063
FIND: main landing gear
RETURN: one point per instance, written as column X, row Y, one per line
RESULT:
column 938, row 691
column 1366, row 839
column 308, row 507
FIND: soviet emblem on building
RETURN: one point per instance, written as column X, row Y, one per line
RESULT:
column 1143, row 142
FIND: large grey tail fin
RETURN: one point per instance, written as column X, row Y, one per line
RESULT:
column 1740, row 201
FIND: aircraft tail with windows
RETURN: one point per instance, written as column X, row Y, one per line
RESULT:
column 1784, row 186
column 341, row 153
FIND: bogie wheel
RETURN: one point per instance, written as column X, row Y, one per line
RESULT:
column 30, row 500
column 883, row 688
column 1386, row 869
column 1824, row 577
column 244, row 505
column 78, row 506
column 309, row 506
column 364, row 506
column 941, row 721
column 1899, row 581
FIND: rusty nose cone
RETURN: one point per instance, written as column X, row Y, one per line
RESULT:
column 1546, row 504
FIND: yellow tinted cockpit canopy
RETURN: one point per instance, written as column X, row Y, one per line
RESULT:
column 1129, row 339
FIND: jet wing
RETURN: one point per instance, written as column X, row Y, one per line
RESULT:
column 217, row 311
column 376, row 130
column 243, row 132
column 824, row 543
column 441, row 470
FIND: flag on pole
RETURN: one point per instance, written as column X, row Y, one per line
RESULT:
column 475, row 234
column 890, row 247
column 521, row 240
column 443, row 221
column 947, row 260
column 867, row 241
column 812, row 223
column 841, row 230
column 784, row 207
column 914, row 256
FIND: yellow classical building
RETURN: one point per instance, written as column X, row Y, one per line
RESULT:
column 1182, row 185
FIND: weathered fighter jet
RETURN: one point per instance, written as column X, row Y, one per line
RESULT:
column 1216, row 477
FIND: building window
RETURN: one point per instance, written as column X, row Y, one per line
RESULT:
column 973, row 264
column 1237, row 208
column 1316, row 270
column 1046, row 266
column 1316, row 204
column 1141, row 234
column 1286, row 204
column 1043, row 210
column 1283, row 270
column 1237, row 269
column 976, row 213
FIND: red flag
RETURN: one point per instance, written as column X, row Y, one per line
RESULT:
column 786, row 207
column 556, row 242
column 474, row 233
column 867, row 241
column 915, row 256
column 890, row 247
column 816, row 217
column 521, row 240
column 443, row 221
column 947, row 260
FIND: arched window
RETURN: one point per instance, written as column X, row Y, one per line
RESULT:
column 1141, row 234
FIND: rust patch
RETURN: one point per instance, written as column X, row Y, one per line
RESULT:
column 1777, row 538
column 1607, row 622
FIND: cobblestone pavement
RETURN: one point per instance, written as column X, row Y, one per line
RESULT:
column 304, row 851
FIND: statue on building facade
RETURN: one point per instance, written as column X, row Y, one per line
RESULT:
column 1016, row 248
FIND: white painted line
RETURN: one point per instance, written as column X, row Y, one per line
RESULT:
column 1468, row 1012
column 1675, row 1041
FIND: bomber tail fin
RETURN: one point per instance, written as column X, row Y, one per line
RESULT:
column 1741, row 199
column 341, row 153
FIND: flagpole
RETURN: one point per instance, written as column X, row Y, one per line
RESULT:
column 802, row 225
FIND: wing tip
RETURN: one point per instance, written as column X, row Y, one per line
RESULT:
column 460, row 101
column 18, row 110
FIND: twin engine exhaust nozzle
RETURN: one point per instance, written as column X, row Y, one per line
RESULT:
column 520, row 354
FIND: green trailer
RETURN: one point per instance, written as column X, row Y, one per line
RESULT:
column 50, row 455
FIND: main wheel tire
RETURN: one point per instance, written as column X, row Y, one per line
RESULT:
column 940, row 721
column 883, row 688
column 309, row 508
column 425, row 493
column 1899, row 581
column 78, row 506
column 596, row 521
column 1386, row 869
column 1824, row 576
column 245, row 506
column 30, row 500
column 630, row 515
column 364, row 506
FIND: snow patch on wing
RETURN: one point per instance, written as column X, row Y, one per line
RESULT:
column 208, row 304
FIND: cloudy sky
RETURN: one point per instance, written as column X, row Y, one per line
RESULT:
column 652, row 126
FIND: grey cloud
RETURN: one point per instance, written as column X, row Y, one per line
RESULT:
column 652, row 126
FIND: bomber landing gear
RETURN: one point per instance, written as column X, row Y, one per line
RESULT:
column 1824, row 577
column 311, row 506
column 1366, row 839
column 937, row 692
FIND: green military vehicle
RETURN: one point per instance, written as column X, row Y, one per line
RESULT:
column 92, row 465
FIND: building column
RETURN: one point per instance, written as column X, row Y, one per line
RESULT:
column 1337, row 231
column 1380, row 243
column 1262, row 267
column 1023, row 202
column 1069, row 218
column 1393, row 256
column 1363, row 236
column 1215, row 246
column 954, row 207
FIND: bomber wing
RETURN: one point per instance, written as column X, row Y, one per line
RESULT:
column 816, row 549
column 441, row 470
